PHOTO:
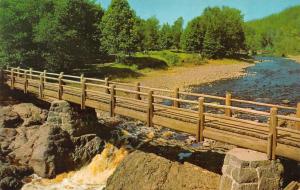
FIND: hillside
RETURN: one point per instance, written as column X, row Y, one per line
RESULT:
column 278, row 33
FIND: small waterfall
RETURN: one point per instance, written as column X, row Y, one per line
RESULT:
column 90, row 177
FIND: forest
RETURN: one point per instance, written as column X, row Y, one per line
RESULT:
column 61, row 35
column 277, row 34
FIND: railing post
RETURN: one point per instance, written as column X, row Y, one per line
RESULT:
column 81, row 77
column 112, row 101
column 228, row 103
column 25, row 82
column 60, row 87
column 273, row 131
column 18, row 70
column 201, row 120
column 45, row 73
column 41, row 88
column 150, row 109
column 138, row 89
column 269, row 146
column 83, row 92
column 12, row 79
column 107, row 85
column 298, row 116
column 30, row 73
column 176, row 95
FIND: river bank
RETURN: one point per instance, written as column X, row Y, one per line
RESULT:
column 295, row 58
column 187, row 75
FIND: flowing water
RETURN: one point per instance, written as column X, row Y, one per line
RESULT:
column 274, row 80
column 91, row 177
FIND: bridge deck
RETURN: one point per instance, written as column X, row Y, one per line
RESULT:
column 148, row 108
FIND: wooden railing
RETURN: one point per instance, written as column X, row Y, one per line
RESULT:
column 202, row 117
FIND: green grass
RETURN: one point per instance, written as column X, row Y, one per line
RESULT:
column 143, row 64
column 172, row 58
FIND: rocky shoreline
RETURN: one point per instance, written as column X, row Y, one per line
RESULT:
column 185, row 76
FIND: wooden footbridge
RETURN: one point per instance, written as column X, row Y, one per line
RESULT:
column 193, row 113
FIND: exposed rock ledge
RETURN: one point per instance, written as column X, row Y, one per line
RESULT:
column 147, row 171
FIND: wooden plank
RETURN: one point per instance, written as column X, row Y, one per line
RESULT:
column 174, row 124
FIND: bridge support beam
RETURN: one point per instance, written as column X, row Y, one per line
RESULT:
column 248, row 169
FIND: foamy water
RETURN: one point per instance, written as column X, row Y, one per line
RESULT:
column 91, row 177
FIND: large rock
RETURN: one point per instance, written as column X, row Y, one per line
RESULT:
column 63, row 142
column 8, row 118
column 85, row 148
column 30, row 114
column 7, row 136
column 24, row 114
column 251, row 170
column 51, row 151
column 47, row 149
column 146, row 171
column 72, row 119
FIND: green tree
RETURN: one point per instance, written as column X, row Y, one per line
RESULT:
column 278, row 33
column 193, row 35
column 118, row 28
column 68, row 33
column 177, row 29
column 17, row 20
column 165, row 37
column 151, row 33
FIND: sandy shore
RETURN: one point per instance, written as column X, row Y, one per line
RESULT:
column 183, row 77
column 295, row 58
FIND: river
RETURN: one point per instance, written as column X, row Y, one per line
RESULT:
column 274, row 80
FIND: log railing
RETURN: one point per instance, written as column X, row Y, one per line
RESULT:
column 145, row 103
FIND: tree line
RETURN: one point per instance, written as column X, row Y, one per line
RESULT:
column 66, row 34
column 277, row 34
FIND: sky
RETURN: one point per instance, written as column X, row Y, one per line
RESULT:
column 170, row 10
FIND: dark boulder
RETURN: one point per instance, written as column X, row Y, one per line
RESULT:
column 72, row 119
column 11, row 176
